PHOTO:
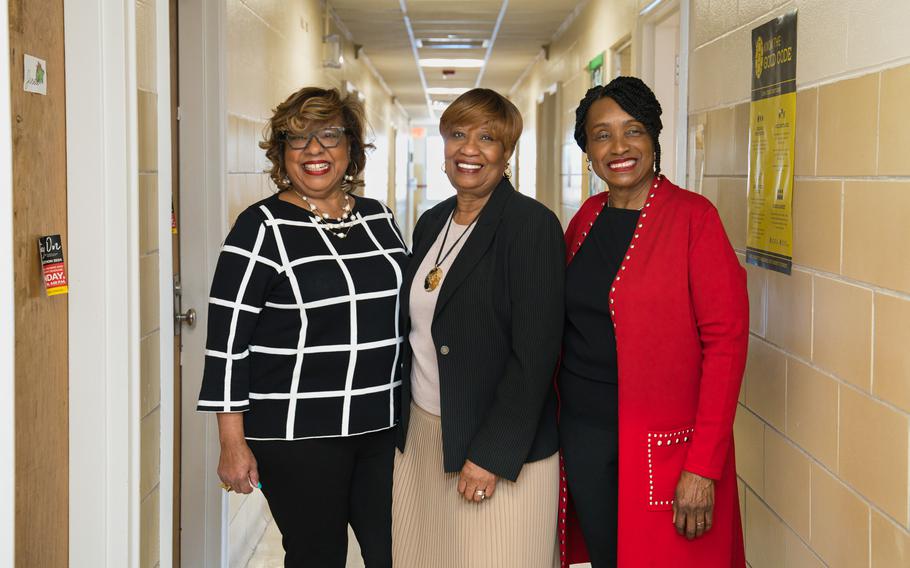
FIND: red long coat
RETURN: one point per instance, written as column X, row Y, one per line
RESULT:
column 681, row 317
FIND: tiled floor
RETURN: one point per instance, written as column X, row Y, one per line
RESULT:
column 269, row 553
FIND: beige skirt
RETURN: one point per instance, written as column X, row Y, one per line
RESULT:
column 433, row 526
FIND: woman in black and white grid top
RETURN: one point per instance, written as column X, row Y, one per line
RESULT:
column 304, row 340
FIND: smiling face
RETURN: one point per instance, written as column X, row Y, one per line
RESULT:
column 314, row 170
column 475, row 159
column 620, row 149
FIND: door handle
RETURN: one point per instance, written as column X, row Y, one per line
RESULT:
column 180, row 317
column 188, row 317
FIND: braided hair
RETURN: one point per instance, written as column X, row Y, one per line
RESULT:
column 634, row 97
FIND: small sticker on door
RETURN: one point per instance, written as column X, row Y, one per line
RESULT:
column 53, row 270
column 35, row 75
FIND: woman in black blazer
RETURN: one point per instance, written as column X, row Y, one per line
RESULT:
column 476, row 481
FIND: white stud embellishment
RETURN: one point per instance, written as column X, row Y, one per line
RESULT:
column 670, row 438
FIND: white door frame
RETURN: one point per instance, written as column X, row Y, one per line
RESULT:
column 165, row 286
column 7, row 310
column 103, row 213
column 102, row 217
column 648, row 17
column 203, row 151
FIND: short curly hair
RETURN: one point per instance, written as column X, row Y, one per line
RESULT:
column 634, row 97
column 312, row 105
column 484, row 106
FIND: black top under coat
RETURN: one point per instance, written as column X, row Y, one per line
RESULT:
column 589, row 344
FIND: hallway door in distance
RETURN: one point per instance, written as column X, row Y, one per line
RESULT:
column 662, row 67
column 549, row 151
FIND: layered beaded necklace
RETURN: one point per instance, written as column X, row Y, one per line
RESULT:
column 341, row 227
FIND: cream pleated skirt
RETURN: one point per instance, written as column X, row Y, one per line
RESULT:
column 433, row 526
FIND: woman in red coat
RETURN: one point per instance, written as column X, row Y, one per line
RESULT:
column 653, row 355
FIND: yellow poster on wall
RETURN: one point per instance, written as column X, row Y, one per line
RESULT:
column 771, row 140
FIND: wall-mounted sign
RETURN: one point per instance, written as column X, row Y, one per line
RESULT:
column 771, row 142
column 50, row 248
column 35, row 75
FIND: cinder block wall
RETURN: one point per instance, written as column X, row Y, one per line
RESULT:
column 149, row 345
column 824, row 416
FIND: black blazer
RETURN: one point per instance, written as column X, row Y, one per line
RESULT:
column 497, row 329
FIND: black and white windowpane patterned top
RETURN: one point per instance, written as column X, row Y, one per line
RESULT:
column 303, row 330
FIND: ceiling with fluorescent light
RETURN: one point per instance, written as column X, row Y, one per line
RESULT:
column 495, row 39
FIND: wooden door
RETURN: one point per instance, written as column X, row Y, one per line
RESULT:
column 175, row 246
column 39, row 208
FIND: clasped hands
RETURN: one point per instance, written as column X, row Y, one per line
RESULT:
column 475, row 483
column 693, row 508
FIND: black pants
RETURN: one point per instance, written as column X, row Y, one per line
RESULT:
column 590, row 444
column 315, row 488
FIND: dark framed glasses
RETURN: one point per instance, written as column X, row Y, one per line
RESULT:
column 328, row 137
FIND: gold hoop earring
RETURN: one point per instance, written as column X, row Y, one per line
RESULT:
column 507, row 173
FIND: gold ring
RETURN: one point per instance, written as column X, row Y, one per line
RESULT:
column 226, row 487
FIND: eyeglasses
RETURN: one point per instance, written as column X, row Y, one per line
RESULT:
column 328, row 137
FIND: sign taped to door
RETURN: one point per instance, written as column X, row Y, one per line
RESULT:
column 53, row 269
column 35, row 80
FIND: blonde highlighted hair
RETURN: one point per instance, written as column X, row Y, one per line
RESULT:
column 304, row 109
column 484, row 106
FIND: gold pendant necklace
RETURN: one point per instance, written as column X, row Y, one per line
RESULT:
column 432, row 280
column 434, row 276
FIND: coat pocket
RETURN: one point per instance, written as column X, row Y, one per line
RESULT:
column 667, row 451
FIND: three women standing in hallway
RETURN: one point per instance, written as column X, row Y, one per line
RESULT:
column 306, row 329
column 304, row 340
column 653, row 355
column 482, row 301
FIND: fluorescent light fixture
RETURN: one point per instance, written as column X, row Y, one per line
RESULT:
column 453, row 63
column 440, row 105
column 649, row 7
column 447, row 90
column 452, row 43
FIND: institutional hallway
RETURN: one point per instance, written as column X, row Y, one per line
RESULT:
column 129, row 138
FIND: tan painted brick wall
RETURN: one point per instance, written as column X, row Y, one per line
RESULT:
column 823, row 426
column 149, row 345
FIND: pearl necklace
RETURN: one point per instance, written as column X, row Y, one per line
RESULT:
column 322, row 217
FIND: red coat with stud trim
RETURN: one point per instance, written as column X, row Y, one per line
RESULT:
column 681, row 317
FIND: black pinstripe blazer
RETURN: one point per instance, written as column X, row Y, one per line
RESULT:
column 497, row 329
